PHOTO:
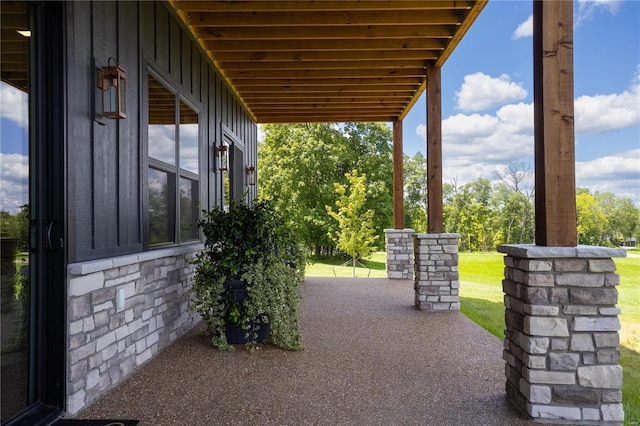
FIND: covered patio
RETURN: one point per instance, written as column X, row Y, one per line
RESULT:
column 369, row 358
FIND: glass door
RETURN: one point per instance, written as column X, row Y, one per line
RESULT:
column 15, row 310
column 32, row 298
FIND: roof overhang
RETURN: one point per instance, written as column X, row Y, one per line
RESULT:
column 326, row 60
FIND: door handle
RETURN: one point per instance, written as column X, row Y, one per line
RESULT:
column 49, row 243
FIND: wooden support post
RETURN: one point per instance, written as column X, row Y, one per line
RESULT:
column 398, row 176
column 554, row 124
column 434, row 151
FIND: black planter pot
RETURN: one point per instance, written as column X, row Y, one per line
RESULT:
column 236, row 334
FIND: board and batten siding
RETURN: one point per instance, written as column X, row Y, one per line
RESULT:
column 106, row 178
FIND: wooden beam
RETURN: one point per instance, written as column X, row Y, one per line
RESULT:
column 326, row 89
column 328, row 74
column 324, row 19
column 317, row 6
column 398, row 176
column 333, row 55
column 327, row 33
column 321, row 65
column 224, row 45
column 434, row 151
column 555, row 197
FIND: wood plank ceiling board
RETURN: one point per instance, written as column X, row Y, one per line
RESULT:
column 327, row 60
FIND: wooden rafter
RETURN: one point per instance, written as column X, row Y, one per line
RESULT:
column 327, row 60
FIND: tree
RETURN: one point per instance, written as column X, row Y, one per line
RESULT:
column 592, row 221
column 299, row 163
column 356, row 234
column 415, row 192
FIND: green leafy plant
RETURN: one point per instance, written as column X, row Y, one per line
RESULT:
column 251, row 243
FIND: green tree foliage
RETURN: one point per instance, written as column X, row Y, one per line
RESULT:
column 415, row 192
column 299, row 163
column 16, row 226
column 355, row 235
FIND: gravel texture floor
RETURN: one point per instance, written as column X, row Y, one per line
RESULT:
column 370, row 358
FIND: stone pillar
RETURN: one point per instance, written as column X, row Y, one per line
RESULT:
column 436, row 272
column 399, row 244
column 561, row 338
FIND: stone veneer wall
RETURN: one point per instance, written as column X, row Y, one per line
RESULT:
column 121, row 312
column 561, row 339
column 436, row 272
column 399, row 245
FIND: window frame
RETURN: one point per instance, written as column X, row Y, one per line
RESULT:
column 174, row 171
column 237, row 175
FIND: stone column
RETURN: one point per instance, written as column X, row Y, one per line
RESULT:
column 561, row 338
column 399, row 244
column 436, row 272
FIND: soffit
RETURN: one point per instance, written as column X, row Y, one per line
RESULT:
column 324, row 60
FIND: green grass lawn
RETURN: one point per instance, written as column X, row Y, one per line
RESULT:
column 481, row 300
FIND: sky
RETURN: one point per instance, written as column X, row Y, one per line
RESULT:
column 487, row 97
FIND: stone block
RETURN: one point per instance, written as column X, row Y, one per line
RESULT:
column 75, row 327
column 534, row 345
column 589, row 358
column 541, row 310
column 535, row 393
column 606, row 340
column 79, row 308
column 550, row 377
column 581, row 342
column 571, row 265
column 536, row 265
column 600, row 376
column 563, row 361
column 611, row 280
column 593, row 296
column 535, row 295
column 590, row 414
column 539, row 280
column 535, row 362
column 559, row 295
column 555, row 412
column 81, row 285
column 612, row 395
column 546, row 326
column 575, row 395
column 106, row 340
column 609, row 356
column 602, row 265
column 580, row 280
column 560, row 344
column 579, row 310
column 609, row 311
column 612, row 412
column 75, row 402
column 595, row 324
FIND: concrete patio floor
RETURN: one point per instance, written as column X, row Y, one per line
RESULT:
column 370, row 358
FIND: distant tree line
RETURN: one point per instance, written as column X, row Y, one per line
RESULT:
column 299, row 165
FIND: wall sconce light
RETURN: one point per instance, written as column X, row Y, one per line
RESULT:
column 112, row 83
column 251, row 175
column 222, row 153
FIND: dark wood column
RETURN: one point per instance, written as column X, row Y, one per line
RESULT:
column 434, row 151
column 554, row 124
column 398, row 176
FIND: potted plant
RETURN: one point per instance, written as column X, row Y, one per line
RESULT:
column 248, row 276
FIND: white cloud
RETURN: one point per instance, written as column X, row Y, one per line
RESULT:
column 14, row 105
column 524, row 30
column 618, row 173
column 588, row 8
column 481, row 92
column 14, row 181
column 604, row 113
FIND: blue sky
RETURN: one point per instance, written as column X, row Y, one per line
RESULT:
column 487, row 97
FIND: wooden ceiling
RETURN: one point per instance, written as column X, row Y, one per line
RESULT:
column 328, row 60
column 14, row 46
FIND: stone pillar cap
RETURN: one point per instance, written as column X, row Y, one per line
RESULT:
column 532, row 251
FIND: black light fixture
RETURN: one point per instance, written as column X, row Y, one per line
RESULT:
column 251, row 175
column 112, row 82
column 222, row 153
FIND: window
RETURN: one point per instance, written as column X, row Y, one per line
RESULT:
column 173, row 179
